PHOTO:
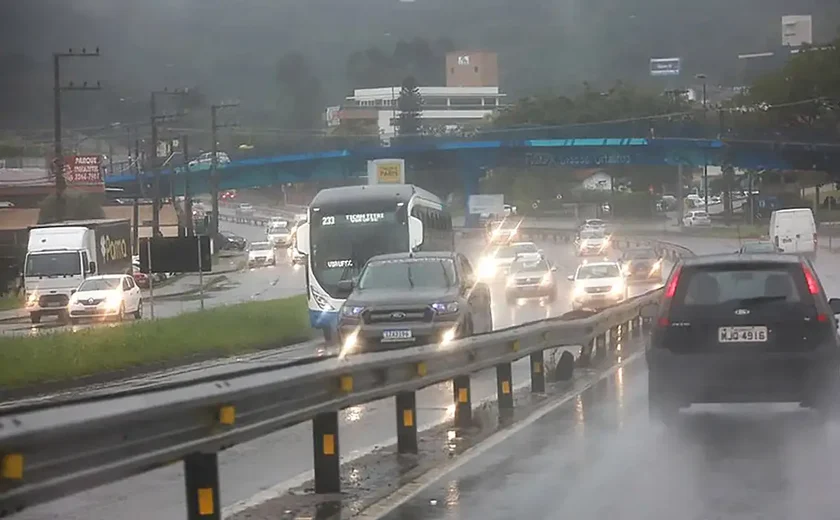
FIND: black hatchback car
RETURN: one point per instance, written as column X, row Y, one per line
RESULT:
column 743, row 328
column 408, row 299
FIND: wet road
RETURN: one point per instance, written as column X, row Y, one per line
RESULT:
column 253, row 472
column 599, row 456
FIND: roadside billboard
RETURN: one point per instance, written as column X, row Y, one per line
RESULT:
column 665, row 66
column 386, row 171
column 486, row 204
column 83, row 170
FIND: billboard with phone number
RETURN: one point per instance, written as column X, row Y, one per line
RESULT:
column 83, row 170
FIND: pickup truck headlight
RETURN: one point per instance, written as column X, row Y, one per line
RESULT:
column 445, row 307
column 352, row 311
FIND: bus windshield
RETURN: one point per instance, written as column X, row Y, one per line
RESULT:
column 342, row 243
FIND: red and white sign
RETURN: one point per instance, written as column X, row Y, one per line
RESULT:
column 83, row 169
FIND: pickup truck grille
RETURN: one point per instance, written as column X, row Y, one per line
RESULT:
column 398, row 315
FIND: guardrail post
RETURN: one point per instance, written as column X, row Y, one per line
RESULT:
column 325, row 442
column 463, row 401
column 647, row 323
column 586, row 352
column 406, row 422
column 538, row 372
column 201, row 475
column 601, row 345
column 616, row 336
column 504, row 386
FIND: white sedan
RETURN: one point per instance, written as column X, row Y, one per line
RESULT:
column 106, row 296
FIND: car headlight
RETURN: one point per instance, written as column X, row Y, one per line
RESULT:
column 487, row 268
column 511, row 281
column 618, row 288
column 656, row 266
column 113, row 302
column 496, row 232
column 577, row 291
column 352, row 311
column 546, row 279
column 32, row 298
column 445, row 307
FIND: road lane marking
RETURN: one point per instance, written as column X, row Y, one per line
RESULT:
column 414, row 488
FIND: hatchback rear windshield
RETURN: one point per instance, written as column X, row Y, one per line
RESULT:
column 737, row 283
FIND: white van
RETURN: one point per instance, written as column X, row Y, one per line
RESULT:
column 794, row 231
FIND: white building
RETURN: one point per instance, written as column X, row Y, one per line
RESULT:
column 444, row 107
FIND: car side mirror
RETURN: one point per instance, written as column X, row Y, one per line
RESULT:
column 553, row 268
column 649, row 311
column 571, row 278
column 92, row 267
column 346, row 286
column 834, row 303
column 72, row 292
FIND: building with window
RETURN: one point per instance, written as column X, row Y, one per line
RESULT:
column 471, row 94
column 444, row 108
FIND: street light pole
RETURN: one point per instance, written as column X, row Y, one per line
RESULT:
column 153, row 158
column 214, row 163
column 58, row 151
column 705, row 157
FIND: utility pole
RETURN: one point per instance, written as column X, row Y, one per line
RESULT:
column 135, row 167
column 153, row 158
column 185, row 148
column 705, row 157
column 58, row 160
column 214, row 162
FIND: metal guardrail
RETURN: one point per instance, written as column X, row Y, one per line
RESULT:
column 57, row 450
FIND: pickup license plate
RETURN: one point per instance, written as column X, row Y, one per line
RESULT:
column 742, row 334
column 397, row 335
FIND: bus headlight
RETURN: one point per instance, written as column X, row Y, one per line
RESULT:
column 32, row 299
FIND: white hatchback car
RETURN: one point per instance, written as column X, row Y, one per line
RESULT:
column 106, row 296
column 598, row 285
column 697, row 218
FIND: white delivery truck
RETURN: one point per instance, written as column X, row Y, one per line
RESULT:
column 794, row 231
column 61, row 255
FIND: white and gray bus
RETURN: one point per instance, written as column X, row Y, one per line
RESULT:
column 348, row 225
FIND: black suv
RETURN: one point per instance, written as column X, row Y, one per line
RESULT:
column 409, row 299
column 742, row 328
column 642, row 265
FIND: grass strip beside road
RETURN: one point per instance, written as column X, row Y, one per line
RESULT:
column 11, row 301
column 152, row 344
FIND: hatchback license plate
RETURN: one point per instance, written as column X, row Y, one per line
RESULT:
column 742, row 334
column 397, row 335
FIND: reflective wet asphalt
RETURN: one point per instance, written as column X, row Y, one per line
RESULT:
column 269, row 465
